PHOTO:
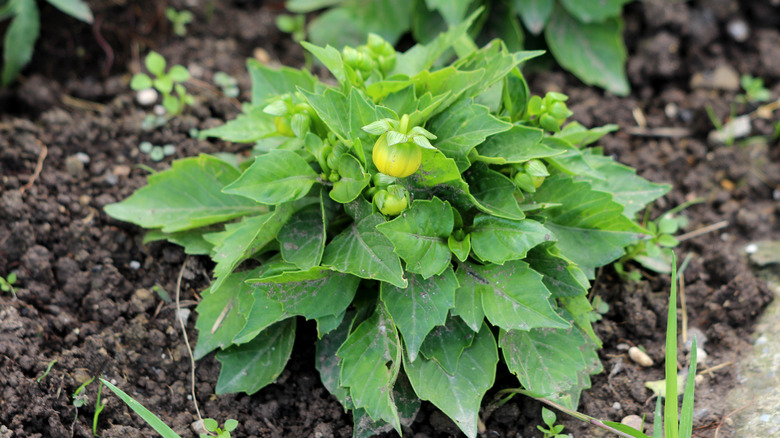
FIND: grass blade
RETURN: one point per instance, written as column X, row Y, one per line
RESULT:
column 658, row 420
column 670, row 404
column 153, row 420
column 686, row 415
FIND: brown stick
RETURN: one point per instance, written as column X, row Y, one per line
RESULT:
column 38, row 167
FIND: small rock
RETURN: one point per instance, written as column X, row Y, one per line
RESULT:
column 766, row 253
column 146, row 97
column 159, row 110
column 199, row 428
column 738, row 29
column 83, row 157
column 111, row 179
column 640, row 357
column 616, row 406
column 184, row 314
column 135, row 265
column 724, row 77
column 74, row 166
column 737, row 127
column 634, row 421
column 623, row 346
column 121, row 170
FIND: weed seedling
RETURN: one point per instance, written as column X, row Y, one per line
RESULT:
column 228, row 84
column 48, row 370
column 7, row 283
column 220, row 432
column 179, row 19
column 157, row 153
column 755, row 91
column 168, row 83
column 552, row 430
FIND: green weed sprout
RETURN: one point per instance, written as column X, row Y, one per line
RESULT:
column 227, row 83
column 169, row 84
column 426, row 214
column 552, row 430
column 24, row 29
column 179, row 19
column 7, row 283
column 157, row 153
column 163, row 429
column 755, row 91
column 80, row 399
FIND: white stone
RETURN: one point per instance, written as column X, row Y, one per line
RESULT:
column 146, row 97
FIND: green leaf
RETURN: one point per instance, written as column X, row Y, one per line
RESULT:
column 627, row 188
column 313, row 294
column 301, row 6
column 494, row 192
column 274, row 178
column 468, row 299
column 189, row 195
column 518, row 145
column 155, row 63
column 329, row 56
column 241, row 240
column 338, row 27
column 268, row 83
column 346, row 116
column 179, row 73
column 251, row 366
column 352, row 182
column 363, row 251
column 495, row 61
column 327, row 363
column 580, row 136
column 420, row 307
column 249, row 127
column 571, row 160
column 535, row 13
column 445, row 343
column 498, row 240
column 460, row 249
column 591, row 228
column 513, row 296
column 422, row 57
column 405, row 399
column 548, row 361
column 561, row 277
column 223, row 313
column 419, row 234
column 453, row 11
column 141, row 81
column 593, row 52
column 191, row 240
column 77, row 9
column 302, row 238
column 458, row 395
column 264, row 312
column 595, row 12
column 371, row 360
column 20, row 38
column 463, row 126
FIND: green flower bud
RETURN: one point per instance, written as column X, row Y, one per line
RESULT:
column 525, row 182
column 283, row 126
column 549, row 123
column 392, row 201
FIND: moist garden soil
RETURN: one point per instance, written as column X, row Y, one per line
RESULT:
column 93, row 298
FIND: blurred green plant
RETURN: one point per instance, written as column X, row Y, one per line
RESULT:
column 168, row 83
column 22, row 33
column 179, row 19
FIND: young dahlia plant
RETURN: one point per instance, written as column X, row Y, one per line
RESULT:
column 433, row 219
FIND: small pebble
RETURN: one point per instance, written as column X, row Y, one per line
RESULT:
column 640, row 357
column 616, row 406
column 159, row 110
column 199, row 428
column 74, row 166
column 81, row 156
column 135, row 265
column 146, row 97
column 738, row 29
column 184, row 314
column 634, row 421
column 751, row 248
column 623, row 346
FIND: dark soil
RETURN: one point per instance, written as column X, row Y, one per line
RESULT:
column 87, row 286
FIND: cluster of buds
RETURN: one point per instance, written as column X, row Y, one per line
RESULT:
column 376, row 54
column 548, row 113
column 530, row 175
